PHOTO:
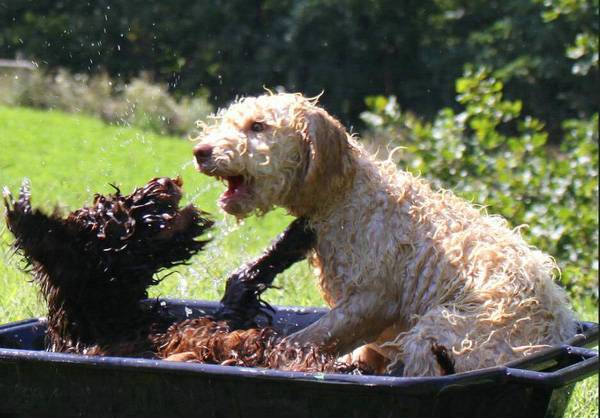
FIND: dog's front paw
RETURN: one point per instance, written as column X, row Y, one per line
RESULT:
column 242, row 305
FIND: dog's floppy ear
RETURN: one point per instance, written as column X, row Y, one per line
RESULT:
column 327, row 147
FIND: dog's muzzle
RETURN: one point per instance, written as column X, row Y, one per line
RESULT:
column 203, row 154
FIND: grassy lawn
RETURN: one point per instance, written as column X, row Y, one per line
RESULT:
column 68, row 158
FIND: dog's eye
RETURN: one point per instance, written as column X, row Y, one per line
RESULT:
column 257, row 127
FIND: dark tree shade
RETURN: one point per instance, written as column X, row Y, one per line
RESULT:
column 349, row 48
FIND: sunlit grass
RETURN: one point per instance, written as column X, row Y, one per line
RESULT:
column 584, row 401
column 68, row 158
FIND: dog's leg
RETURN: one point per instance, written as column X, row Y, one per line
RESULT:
column 241, row 303
column 355, row 321
column 444, row 341
column 45, row 240
column 425, row 351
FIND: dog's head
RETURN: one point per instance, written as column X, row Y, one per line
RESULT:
column 275, row 150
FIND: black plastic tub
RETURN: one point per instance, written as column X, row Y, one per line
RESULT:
column 38, row 383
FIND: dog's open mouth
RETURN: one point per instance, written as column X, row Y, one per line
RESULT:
column 235, row 184
column 238, row 189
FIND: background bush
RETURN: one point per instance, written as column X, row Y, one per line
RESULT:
column 349, row 48
column 140, row 102
column 493, row 155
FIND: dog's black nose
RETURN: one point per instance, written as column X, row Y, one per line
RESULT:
column 203, row 152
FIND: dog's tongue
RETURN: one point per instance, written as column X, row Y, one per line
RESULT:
column 233, row 183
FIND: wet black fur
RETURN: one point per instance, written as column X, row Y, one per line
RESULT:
column 95, row 265
column 242, row 305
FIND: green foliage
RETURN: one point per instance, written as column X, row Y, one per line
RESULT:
column 140, row 103
column 527, row 50
column 584, row 49
column 348, row 48
column 490, row 153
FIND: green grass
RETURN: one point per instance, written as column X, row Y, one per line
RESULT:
column 69, row 157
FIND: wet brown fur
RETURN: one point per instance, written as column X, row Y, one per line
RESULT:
column 205, row 340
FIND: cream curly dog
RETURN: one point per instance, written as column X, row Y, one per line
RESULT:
column 404, row 268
